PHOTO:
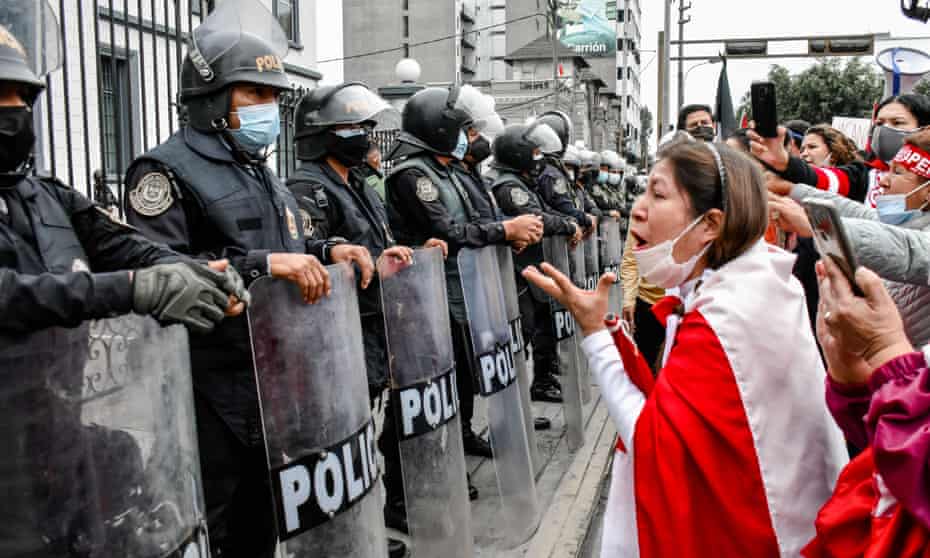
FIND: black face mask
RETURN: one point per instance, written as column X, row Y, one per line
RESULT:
column 478, row 150
column 705, row 133
column 16, row 137
column 349, row 147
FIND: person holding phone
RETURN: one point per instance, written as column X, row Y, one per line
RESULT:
column 877, row 393
column 893, row 240
column 896, row 117
column 733, row 451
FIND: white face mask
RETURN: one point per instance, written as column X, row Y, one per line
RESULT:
column 658, row 266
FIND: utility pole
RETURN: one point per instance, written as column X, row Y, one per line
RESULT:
column 664, row 55
column 621, row 33
column 663, row 94
column 682, row 20
column 554, row 29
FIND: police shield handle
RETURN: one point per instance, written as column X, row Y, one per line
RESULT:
column 588, row 308
column 303, row 270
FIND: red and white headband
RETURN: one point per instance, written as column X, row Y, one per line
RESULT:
column 914, row 159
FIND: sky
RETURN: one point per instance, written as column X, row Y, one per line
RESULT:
column 713, row 19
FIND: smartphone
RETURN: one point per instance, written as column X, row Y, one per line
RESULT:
column 763, row 109
column 830, row 238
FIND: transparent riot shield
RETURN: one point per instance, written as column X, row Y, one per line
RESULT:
column 424, row 400
column 518, row 348
column 576, row 257
column 555, row 249
column 497, row 382
column 99, row 444
column 611, row 254
column 319, row 434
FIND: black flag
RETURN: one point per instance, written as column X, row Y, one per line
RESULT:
column 726, row 121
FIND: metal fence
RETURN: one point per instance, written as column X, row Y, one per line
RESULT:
column 384, row 139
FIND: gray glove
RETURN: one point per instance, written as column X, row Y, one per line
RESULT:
column 183, row 292
column 231, row 282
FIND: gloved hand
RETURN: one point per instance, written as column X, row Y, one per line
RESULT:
column 182, row 292
column 228, row 279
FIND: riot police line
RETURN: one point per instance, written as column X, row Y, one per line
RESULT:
column 150, row 436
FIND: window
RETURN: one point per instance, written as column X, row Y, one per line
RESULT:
column 114, row 118
column 288, row 16
column 198, row 6
column 406, row 34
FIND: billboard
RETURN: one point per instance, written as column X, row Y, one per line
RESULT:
column 584, row 28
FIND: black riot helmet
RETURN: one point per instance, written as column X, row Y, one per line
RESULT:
column 32, row 24
column 514, row 148
column 561, row 124
column 431, row 122
column 240, row 42
column 329, row 106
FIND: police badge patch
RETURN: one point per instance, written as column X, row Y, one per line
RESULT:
column 519, row 197
column 152, row 195
column 291, row 223
column 560, row 186
column 426, row 190
column 307, row 222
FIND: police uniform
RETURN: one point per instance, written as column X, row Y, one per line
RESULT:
column 478, row 192
column 554, row 188
column 51, row 239
column 193, row 194
column 516, row 196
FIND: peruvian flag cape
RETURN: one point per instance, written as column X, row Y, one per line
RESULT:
column 734, row 451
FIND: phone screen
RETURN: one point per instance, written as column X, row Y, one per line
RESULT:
column 831, row 241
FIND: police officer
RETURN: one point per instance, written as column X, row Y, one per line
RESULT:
column 427, row 199
column 518, row 156
column 63, row 259
column 207, row 191
column 335, row 198
column 484, row 125
column 553, row 183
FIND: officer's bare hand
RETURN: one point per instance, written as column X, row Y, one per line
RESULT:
column 592, row 229
column 437, row 243
column 614, row 213
column 400, row 254
column 359, row 255
column 588, row 307
column 304, row 270
column 576, row 236
column 525, row 228
column 519, row 246
column 231, row 282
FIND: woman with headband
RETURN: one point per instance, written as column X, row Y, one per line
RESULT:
column 732, row 451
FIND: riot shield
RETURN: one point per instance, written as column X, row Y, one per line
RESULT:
column 424, row 399
column 494, row 366
column 319, row 434
column 578, row 267
column 99, row 444
column 611, row 255
column 518, row 348
column 555, row 249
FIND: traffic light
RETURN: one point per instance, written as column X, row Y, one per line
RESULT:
column 736, row 49
column 841, row 47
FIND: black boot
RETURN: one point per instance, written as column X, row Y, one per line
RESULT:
column 541, row 423
column 475, row 445
column 545, row 389
column 395, row 517
column 396, row 548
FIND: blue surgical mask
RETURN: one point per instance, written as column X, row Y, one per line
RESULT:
column 602, row 177
column 462, row 147
column 259, row 126
column 892, row 208
column 614, row 178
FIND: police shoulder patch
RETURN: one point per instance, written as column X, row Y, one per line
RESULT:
column 152, row 195
column 560, row 186
column 426, row 190
column 519, row 197
column 307, row 222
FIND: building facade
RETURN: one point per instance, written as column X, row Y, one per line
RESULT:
column 115, row 95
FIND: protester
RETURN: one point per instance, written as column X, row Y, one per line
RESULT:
column 895, row 118
column 877, row 393
column 733, row 450
column 639, row 296
column 825, row 146
column 739, row 140
column 697, row 120
column 892, row 240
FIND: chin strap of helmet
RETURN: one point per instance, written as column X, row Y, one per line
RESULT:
column 241, row 154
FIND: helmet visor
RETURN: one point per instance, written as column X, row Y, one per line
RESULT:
column 29, row 31
column 351, row 104
column 229, row 24
column 545, row 138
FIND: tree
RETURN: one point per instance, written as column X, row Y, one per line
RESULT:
column 822, row 91
column 923, row 87
column 645, row 130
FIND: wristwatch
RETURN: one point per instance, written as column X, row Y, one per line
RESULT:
column 330, row 243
